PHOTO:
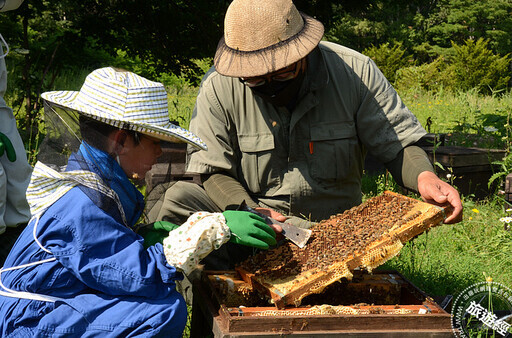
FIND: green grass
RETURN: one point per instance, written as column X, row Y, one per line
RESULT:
column 466, row 112
column 451, row 257
column 181, row 104
column 186, row 331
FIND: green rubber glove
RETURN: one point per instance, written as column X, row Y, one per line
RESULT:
column 156, row 232
column 6, row 145
column 249, row 229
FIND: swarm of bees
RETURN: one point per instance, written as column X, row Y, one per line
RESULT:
column 334, row 239
column 365, row 236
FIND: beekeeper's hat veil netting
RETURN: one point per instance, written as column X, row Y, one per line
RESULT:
column 77, row 125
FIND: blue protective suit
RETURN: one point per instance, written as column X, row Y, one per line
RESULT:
column 108, row 283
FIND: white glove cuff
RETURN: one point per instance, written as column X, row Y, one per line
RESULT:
column 202, row 233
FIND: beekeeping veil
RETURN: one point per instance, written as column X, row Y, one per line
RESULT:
column 77, row 127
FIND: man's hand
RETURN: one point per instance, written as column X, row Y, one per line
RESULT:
column 6, row 146
column 433, row 190
column 275, row 215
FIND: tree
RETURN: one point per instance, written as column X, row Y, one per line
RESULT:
column 476, row 66
column 460, row 20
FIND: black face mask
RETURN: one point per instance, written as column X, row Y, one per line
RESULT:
column 280, row 93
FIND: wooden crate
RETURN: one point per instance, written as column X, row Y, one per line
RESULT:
column 408, row 313
column 471, row 167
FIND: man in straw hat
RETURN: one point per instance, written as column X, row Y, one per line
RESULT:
column 14, row 168
column 288, row 120
column 80, row 268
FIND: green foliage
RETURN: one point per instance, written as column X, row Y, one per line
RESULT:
column 373, row 185
column 461, row 20
column 464, row 67
column 425, row 28
column 428, row 76
column 505, row 167
column 389, row 58
column 476, row 66
column 356, row 33
column 182, row 92
column 48, row 39
column 166, row 35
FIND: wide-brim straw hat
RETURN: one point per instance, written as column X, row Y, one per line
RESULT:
column 127, row 101
column 262, row 36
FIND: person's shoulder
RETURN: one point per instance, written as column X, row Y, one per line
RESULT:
column 73, row 205
column 214, row 82
column 335, row 50
column 212, row 77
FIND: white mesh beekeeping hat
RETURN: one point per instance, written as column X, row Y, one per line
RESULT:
column 125, row 100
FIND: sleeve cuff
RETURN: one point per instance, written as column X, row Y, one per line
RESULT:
column 202, row 233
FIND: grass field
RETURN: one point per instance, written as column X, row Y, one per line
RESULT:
column 451, row 257
column 463, row 112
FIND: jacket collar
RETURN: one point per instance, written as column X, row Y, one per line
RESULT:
column 99, row 162
column 317, row 75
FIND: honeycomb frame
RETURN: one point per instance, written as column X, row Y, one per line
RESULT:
column 270, row 273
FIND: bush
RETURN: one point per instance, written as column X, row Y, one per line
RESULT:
column 428, row 76
column 476, row 66
column 389, row 58
column 470, row 66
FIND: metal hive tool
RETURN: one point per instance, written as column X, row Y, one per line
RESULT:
column 365, row 236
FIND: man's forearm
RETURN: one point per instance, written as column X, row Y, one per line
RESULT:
column 408, row 165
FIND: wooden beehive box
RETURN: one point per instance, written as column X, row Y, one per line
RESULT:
column 508, row 188
column 382, row 304
column 365, row 237
column 469, row 168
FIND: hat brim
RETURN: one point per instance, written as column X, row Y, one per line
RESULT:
column 237, row 63
column 168, row 132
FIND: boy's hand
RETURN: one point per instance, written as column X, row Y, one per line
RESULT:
column 249, row 229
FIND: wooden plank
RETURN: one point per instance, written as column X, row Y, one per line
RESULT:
column 389, row 309
column 454, row 156
column 407, row 322
column 447, row 333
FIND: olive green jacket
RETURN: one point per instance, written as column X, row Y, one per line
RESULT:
column 307, row 162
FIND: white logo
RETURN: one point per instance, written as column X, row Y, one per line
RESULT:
column 481, row 309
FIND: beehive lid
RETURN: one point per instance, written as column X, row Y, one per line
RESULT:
column 365, row 236
column 457, row 156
